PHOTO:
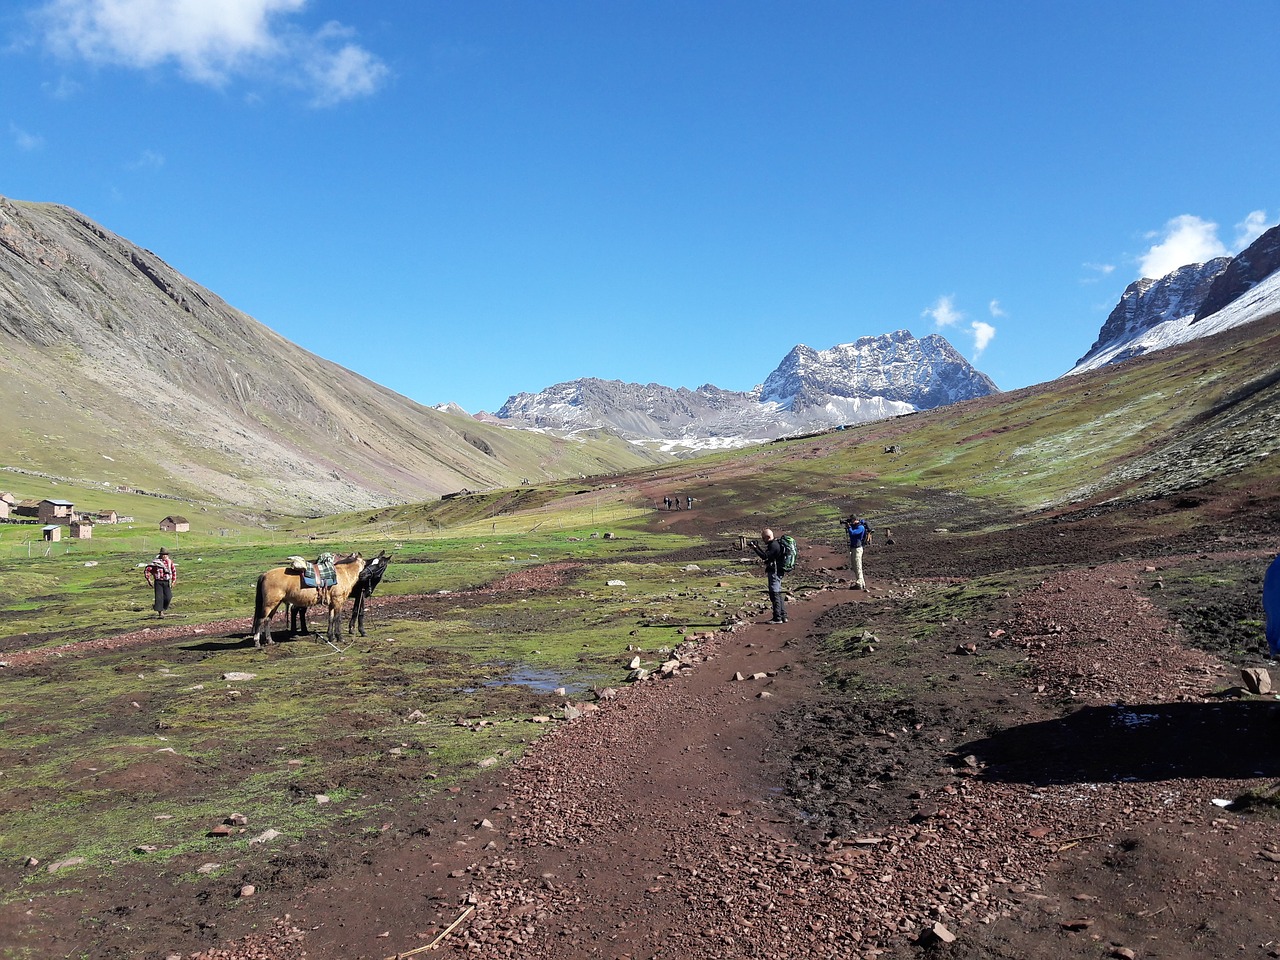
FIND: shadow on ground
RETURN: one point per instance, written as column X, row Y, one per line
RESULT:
column 1139, row 742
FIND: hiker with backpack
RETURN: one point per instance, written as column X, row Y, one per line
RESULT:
column 161, row 574
column 778, row 560
column 859, row 532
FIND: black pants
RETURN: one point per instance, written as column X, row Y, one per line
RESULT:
column 164, row 595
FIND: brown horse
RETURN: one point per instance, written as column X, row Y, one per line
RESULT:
column 282, row 585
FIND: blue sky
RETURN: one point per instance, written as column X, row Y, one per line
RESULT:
column 463, row 200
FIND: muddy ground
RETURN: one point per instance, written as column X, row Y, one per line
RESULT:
column 1032, row 745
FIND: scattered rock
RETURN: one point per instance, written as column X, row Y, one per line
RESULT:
column 1256, row 680
column 938, row 933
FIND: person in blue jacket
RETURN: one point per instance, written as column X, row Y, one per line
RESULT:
column 857, row 531
column 1271, row 605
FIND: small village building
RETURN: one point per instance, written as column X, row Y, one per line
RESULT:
column 8, row 498
column 175, row 524
column 106, row 516
column 81, row 530
column 56, row 511
column 4, row 510
column 26, row 508
column 52, row 533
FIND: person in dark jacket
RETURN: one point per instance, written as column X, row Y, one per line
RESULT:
column 162, row 574
column 772, row 553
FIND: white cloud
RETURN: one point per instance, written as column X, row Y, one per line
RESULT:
column 345, row 74
column 1251, row 228
column 1101, row 269
column 983, row 334
column 64, row 89
column 148, row 160
column 943, row 312
column 25, row 141
column 1186, row 239
column 214, row 41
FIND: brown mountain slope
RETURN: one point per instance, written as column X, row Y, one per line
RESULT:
column 117, row 369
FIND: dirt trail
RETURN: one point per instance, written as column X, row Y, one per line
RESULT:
column 601, row 827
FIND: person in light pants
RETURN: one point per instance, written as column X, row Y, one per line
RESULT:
column 857, row 531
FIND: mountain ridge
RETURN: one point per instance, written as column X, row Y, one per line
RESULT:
column 1195, row 300
column 867, row 379
column 119, row 368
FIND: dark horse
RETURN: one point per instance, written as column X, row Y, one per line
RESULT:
column 282, row 585
column 366, row 583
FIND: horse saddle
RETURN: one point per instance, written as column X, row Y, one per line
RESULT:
column 318, row 574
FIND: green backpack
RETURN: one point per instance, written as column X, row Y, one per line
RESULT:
column 789, row 553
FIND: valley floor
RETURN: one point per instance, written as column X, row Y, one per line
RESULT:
column 1039, row 774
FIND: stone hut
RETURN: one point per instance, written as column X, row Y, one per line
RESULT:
column 81, row 530
column 56, row 511
column 106, row 516
column 175, row 524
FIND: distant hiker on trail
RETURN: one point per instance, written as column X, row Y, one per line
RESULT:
column 1271, row 606
column 162, row 573
column 690, row 507
column 772, row 554
column 666, row 502
column 857, row 531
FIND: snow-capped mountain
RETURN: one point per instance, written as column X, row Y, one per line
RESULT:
column 1193, row 301
column 869, row 379
column 895, row 367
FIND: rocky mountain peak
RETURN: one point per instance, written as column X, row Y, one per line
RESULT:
column 870, row 378
column 1193, row 301
column 1248, row 269
column 1147, row 304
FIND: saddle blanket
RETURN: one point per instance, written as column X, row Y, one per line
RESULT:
column 318, row 574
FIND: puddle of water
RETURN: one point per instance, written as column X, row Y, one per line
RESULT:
column 541, row 681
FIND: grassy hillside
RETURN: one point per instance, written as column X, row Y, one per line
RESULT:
column 115, row 369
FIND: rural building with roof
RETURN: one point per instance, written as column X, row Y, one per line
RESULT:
column 56, row 511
